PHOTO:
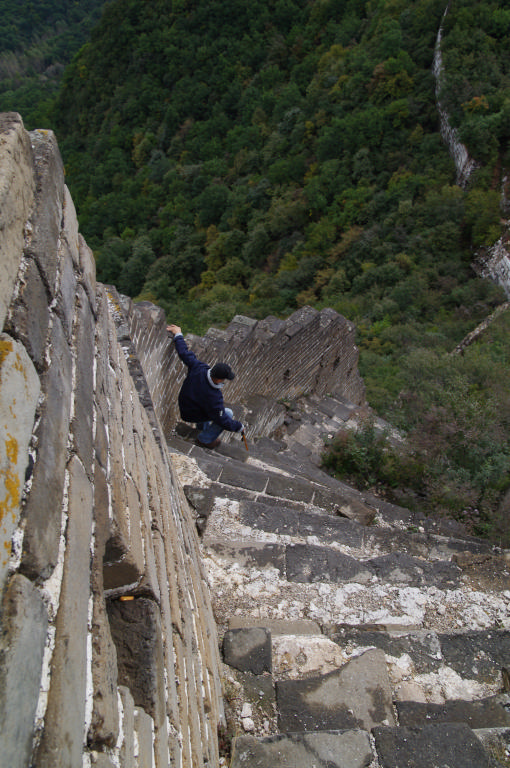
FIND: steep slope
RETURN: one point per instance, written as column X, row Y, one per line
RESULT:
column 353, row 633
column 275, row 154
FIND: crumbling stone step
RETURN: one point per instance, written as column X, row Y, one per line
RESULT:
column 453, row 745
column 423, row 544
column 482, row 713
column 252, row 554
column 277, row 626
column 333, row 407
column 327, row 749
column 308, row 563
column 478, row 655
column 186, row 435
column 278, row 518
column 358, row 695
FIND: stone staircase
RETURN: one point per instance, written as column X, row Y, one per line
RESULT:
column 353, row 632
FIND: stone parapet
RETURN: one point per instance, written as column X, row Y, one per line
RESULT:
column 101, row 561
column 310, row 352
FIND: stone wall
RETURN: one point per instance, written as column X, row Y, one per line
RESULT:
column 309, row 352
column 108, row 649
column 494, row 263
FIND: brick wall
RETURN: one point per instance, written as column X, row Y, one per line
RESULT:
column 309, row 352
column 91, row 512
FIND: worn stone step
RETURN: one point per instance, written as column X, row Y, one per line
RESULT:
column 185, row 434
column 358, row 695
column 248, row 553
column 453, row 745
column 490, row 712
column 277, row 626
column 281, row 519
column 334, row 407
column 423, row 544
column 473, row 656
column 278, row 516
column 308, row 563
column 326, row 749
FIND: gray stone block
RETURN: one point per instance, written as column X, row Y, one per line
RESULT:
column 277, row 626
column 453, row 745
column 62, row 739
column 22, row 640
column 308, row 563
column 28, row 318
column 67, row 289
column 479, row 655
column 98, row 760
column 289, row 488
column 143, row 727
column 243, row 477
column 482, row 713
column 19, row 391
column 17, row 186
column 423, row 647
column 43, row 509
column 329, row 749
column 248, row 650
column 82, row 423
column 273, row 519
column 249, row 555
column 356, row 696
column 280, row 517
column 399, row 568
column 104, row 725
column 42, row 243
column 201, row 499
column 127, row 749
column 87, row 268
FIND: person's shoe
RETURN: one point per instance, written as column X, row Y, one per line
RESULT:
column 214, row 444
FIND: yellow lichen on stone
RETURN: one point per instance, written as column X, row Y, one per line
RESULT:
column 5, row 349
column 12, row 492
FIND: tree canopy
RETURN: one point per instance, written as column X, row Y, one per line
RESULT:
column 229, row 157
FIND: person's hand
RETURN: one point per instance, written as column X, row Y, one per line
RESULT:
column 173, row 329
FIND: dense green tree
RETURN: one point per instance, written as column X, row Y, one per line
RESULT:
column 232, row 157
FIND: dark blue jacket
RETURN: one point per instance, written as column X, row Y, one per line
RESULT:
column 199, row 399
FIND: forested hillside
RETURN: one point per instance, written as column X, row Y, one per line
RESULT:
column 232, row 157
column 37, row 39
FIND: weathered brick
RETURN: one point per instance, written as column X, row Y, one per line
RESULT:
column 87, row 267
column 70, row 234
column 19, row 392
column 24, row 626
column 41, row 244
column 28, row 318
column 104, row 727
column 83, row 397
column 143, row 727
column 136, row 631
column 67, row 289
column 17, row 186
column 62, row 740
column 127, row 749
column 43, row 508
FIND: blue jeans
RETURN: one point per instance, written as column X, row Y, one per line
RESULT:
column 209, row 430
